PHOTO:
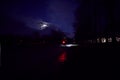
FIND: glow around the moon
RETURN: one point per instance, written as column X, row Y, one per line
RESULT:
column 43, row 25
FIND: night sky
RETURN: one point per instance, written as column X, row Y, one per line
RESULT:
column 57, row 12
column 61, row 13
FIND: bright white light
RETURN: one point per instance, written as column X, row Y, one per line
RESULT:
column 69, row 45
column 103, row 40
column 43, row 25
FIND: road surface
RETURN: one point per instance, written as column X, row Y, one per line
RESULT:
column 35, row 62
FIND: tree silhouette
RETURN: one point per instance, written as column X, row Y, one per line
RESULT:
column 56, row 36
column 88, row 15
column 84, row 24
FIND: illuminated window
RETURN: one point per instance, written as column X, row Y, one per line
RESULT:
column 103, row 40
column 98, row 40
column 118, row 39
column 109, row 39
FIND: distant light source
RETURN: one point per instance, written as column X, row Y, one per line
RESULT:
column 109, row 39
column 69, row 45
column 63, row 42
column 118, row 39
column 43, row 25
column 103, row 40
column 98, row 40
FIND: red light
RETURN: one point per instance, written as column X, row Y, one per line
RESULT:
column 63, row 42
column 62, row 57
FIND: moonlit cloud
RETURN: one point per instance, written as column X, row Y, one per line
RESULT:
column 61, row 12
column 43, row 25
column 58, row 12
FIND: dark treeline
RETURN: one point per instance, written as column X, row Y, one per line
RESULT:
column 96, row 17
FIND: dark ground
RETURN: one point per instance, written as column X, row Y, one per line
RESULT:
column 37, row 62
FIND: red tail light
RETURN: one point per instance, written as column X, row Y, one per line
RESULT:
column 63, row 42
